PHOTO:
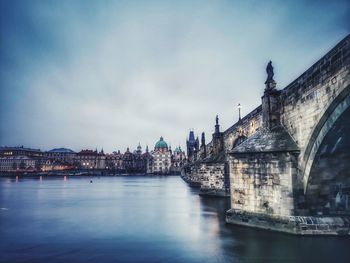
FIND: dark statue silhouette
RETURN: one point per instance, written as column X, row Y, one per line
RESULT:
column 269, row 71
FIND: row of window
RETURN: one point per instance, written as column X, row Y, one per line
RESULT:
column 17, row 161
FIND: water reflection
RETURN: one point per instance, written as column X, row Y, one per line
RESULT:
column 137, row 219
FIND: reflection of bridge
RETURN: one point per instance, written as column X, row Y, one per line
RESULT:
column 289, row 159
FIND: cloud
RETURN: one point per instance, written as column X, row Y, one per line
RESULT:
column 112, row 74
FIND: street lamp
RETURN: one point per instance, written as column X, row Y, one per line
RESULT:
column 239, row 111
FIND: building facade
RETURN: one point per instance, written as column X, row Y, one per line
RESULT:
column 19, row 163
column 20, row 159
column 20, row 151
column 161, row 157
column 159, row 161
column 114, row 161
column 89, row 159
column 178, row 159
column 147, row 161
column 62, row 155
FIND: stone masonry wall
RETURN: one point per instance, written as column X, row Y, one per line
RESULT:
column 214, row 175
column 249, row 125
column 306, row 99
column 262, row 182
column 193, row 174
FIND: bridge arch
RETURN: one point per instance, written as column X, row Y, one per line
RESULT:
column 327, row 136
column 330, row 116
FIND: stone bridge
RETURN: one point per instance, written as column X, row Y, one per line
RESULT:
column 289, row 159
column 293, row 173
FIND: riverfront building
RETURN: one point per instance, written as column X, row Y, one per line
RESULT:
column 114, row 161
column 18, row 163
column 63, row 155
column 161, row 157
column 159, row 161
column 20, row 159
column 20, row 151
column 147, row 161
column 178, row 159
column 89, row 159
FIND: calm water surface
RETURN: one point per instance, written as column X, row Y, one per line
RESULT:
column 137, row 219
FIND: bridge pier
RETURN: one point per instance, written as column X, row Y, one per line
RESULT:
column 296, row 225
column 265, row 191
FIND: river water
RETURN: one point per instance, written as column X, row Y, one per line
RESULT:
column 137, row 219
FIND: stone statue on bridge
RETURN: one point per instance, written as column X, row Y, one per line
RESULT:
column 269, row 71
column 270, row 82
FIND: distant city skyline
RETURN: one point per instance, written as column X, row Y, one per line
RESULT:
column 115, row 74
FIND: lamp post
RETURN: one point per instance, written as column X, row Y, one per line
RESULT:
column 239, row 111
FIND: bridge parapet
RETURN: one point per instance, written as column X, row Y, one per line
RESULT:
column 247, row 126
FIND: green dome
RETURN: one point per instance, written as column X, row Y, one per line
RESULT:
column 178, row 150
column 161, row 144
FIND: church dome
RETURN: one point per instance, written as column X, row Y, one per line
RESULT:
column 161, row 144
column 178, row 150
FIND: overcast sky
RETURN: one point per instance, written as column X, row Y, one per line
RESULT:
column 111, row 74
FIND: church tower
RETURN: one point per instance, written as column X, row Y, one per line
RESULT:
column 191, row 145
column 203, row 146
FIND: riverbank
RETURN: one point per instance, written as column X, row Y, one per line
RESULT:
column 79, row 173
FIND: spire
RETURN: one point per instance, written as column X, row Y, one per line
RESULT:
column 203, row 139
column 146, row 148
column 203, row 146
column 197, row 144
column 191, row 136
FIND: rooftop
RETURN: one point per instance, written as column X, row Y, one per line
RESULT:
column 276, row 140
column 18, row 148
column 61, row 150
